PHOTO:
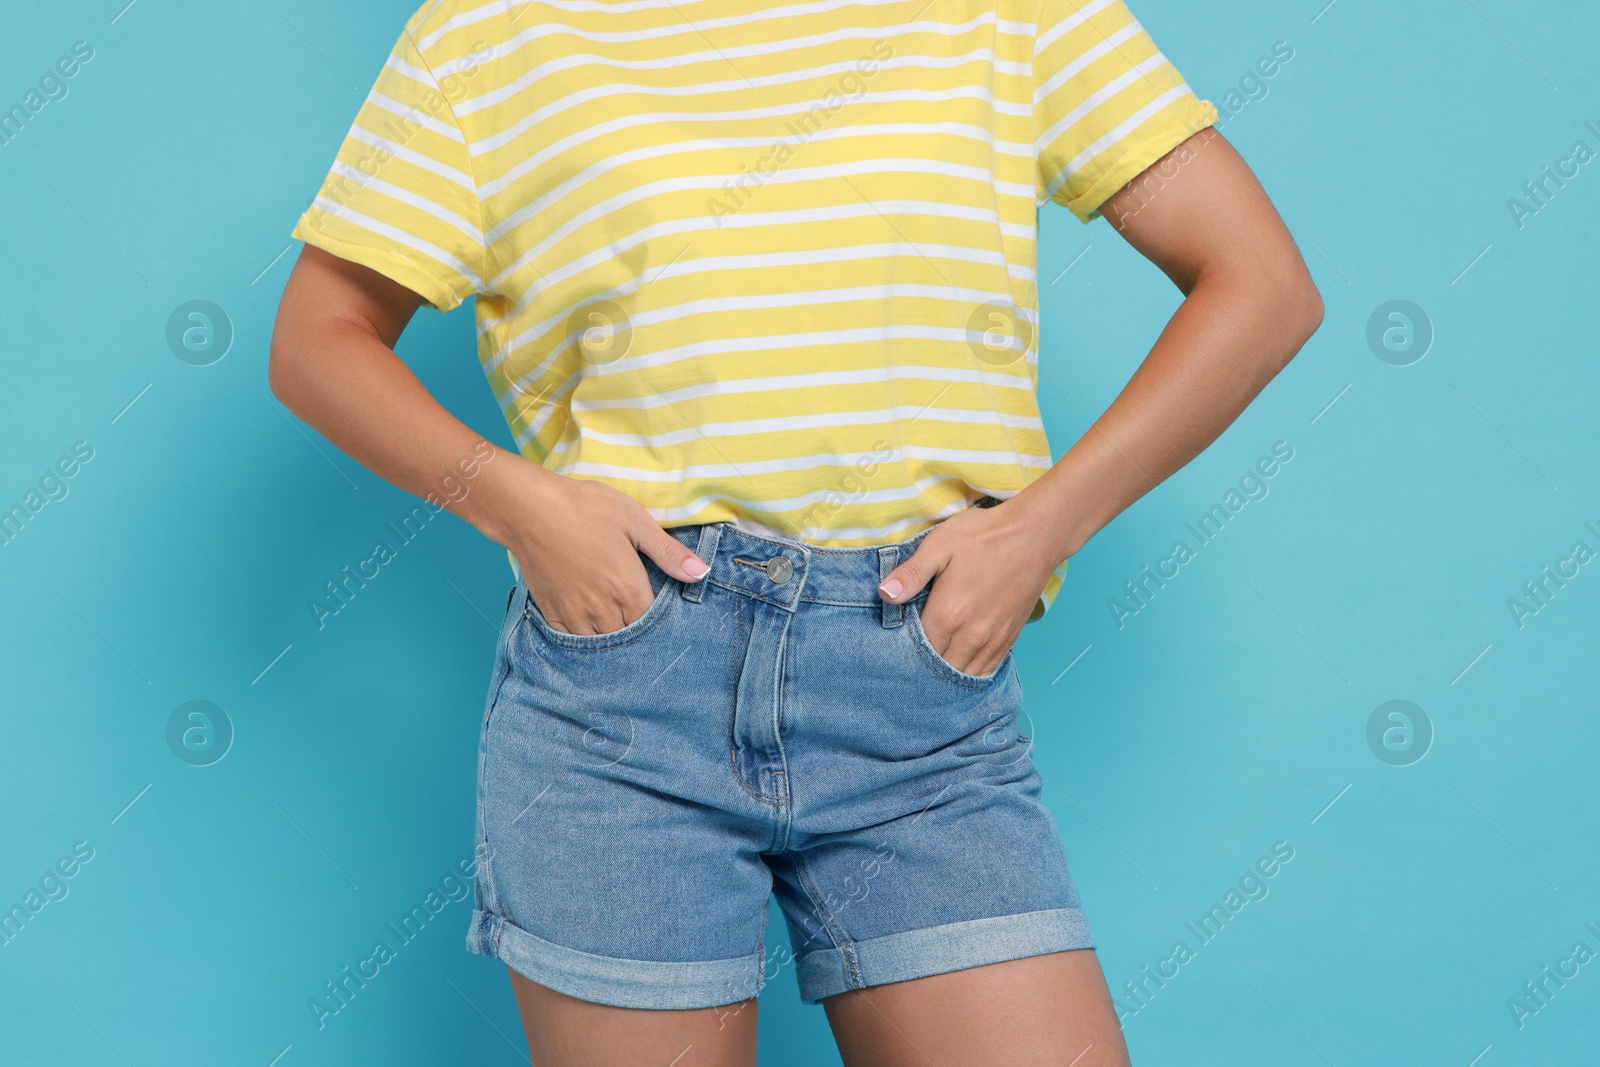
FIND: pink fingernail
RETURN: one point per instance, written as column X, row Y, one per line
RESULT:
column 892, row 588
column 696, row 567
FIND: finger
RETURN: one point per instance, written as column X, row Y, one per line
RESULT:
column 985, row 662
column 912, row 576
column 963, row 650
column 670, row 554
column 994, row 653
column 971, row 648
column 607, row 618
column 978, row 661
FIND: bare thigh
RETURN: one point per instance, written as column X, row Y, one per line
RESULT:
column 1042, row 1011
column 566, row 1032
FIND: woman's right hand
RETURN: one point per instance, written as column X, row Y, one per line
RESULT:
column 578, row 544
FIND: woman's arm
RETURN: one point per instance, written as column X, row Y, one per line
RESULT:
column 333, row 364
column 1249, row 305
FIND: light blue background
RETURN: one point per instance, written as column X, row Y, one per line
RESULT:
column 1226, row 716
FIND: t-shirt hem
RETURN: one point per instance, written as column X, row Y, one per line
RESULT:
column 390, row 264
column 1195, row 116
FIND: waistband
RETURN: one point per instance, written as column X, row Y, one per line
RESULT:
column 785, row 572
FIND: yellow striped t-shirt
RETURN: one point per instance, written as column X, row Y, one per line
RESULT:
column 771, row 264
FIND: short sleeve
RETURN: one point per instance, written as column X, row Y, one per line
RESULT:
column 400, row 197
column 1106, row 103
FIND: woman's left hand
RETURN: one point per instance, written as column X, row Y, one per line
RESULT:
column 991, row 564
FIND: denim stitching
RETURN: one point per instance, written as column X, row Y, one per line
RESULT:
column 830, row 923
column 658, row 609
column 706, row 550
column 750, row 593
column 945, row 671
column 780, row 670
column 735, row 665
column 503, row 674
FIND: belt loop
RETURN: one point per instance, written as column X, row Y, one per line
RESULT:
column 707, row 551
column 888, row 559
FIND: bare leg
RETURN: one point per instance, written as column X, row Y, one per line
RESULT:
column 1041, row 1011
column 566, row 1032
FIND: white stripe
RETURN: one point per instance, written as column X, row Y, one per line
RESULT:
column 411, row 70
column 734, row 387
column 775, row 507
column 702, row 146
column 416, row 159
column 909, row 413
column 1099, row 97
column 741, row 87
column 412, row 113
column 803, row 342
column 744, row 302
column 1068, row 70
column 751, row 220
column 717, row 263
column 406, row 196
column 1068, row 24
column 878, row 533
column 538, row 331
column 505, row 7
column 789, row 464
column 1134, row 121
column 762, row 49
column 506, row 135
column 400, row 236
column 822, row 535
column 606, row 209
column 468, row 18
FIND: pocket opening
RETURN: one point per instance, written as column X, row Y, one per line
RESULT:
column 652, row 614
column 937, row 663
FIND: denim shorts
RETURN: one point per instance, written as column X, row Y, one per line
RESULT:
column 774, row 728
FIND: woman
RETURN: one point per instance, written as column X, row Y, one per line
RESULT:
column 755, row 288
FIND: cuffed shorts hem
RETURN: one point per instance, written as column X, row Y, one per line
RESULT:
column 938, row 950
column 621, row 983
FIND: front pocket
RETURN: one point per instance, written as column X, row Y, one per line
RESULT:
column 937, row 663
column 634, row 630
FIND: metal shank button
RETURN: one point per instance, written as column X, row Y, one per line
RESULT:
column 779, row 569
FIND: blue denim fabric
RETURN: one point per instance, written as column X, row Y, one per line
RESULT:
column 773, row 728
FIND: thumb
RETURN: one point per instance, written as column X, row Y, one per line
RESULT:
column 668, row 553
column 908, row 579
